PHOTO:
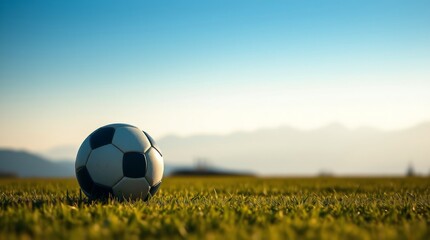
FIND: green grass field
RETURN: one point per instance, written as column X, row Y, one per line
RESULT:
column 223, row 208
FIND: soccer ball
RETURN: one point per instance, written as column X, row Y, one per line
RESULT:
column 119, row 160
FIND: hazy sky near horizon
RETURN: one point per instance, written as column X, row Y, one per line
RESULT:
column 188, row 67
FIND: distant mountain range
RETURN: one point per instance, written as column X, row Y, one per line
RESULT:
column 25, row 164
column 333, row 149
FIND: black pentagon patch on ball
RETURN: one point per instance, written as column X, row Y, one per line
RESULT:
column 85, row 180
column 101, row 192
column 153, row 143
column 134, row 165
column 154, row 189
column 101, row 137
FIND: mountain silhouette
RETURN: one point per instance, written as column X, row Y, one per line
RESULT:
column 333, row 149
column 25, row 164
column 285, row 150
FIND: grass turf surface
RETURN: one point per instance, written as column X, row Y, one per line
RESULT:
column 223, row 207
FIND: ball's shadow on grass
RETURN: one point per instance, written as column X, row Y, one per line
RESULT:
column 36, row 200
column 81, row 199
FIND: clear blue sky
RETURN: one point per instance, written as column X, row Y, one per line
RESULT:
column 186, row 67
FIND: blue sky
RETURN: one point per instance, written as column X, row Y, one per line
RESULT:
column 187, row 67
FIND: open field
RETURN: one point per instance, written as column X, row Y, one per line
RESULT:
column 227, row 208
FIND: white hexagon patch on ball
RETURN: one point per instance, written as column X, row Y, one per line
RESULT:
column 119, row 160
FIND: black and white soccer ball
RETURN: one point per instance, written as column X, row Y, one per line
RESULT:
column 119, row 160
